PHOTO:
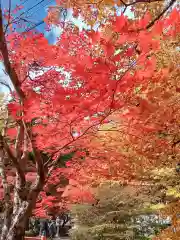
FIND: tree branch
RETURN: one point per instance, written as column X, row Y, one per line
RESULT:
column 14, row 161
column 6, row 85
column 141, row 1
column 24, row 157
column 40, row 179
column 9, row 16
column 161, row 14
column 9, row 69
column 136, row 2
column 18, row 143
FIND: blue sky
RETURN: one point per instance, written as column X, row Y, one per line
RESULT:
column 35, row 13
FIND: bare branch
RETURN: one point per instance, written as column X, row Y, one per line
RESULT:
column 25, row 150
column 161, row 14
column 6, row 85
column 9, row 17
column 141, row 1
column 14, row 160
column 9, row 69
column 136, row 2
column 71, row 131
column 38, row 158
column 40, row 179
column 18, row 142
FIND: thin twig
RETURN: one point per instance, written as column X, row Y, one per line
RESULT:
column 9, row 16
column 6, row 85
column 161, row 14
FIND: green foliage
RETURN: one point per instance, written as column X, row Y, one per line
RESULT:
column 64, row 158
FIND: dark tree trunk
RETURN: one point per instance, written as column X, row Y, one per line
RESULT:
column 18, row 234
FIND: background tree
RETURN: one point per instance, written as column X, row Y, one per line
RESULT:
column 141, row 138
column 103, row 10
column 120, row 212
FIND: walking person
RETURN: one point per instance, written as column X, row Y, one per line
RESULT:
column 52, row 228
column 43, row 228
column 58, row 225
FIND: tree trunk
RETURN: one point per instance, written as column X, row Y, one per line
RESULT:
column 7, row 197
column 19, row 221
column 16, row 230
column 18, row 234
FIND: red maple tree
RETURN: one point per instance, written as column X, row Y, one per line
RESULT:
column 61, row 95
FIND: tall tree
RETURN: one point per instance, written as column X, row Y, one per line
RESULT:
column 62, row 93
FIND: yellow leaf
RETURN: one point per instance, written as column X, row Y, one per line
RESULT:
column 173, row 192
column 157, row 206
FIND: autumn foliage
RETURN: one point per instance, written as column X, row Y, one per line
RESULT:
column 104, row 96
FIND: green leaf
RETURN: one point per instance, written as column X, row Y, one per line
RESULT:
column 157, row 206
column 137, row 89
